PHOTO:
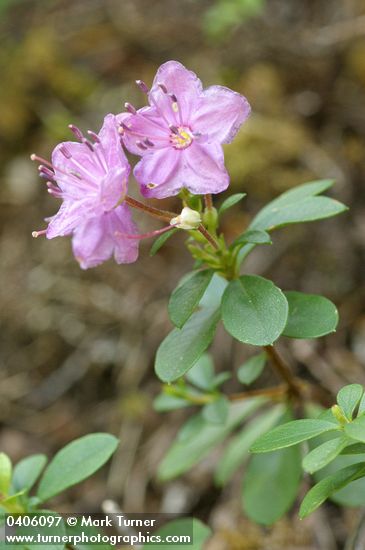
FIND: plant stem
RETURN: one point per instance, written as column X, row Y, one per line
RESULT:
column 282, row 369
column 154, row 212
column 208, row 236
column 275, row 392
column 208, row 202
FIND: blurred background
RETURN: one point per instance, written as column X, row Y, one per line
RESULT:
column 77, row 348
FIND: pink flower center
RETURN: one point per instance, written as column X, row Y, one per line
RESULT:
column 182, row 139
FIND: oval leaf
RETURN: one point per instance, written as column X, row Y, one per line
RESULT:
column 160, row 241
column 310, row 315
column 356, row 429
column 271, row 484
column 254, row 310
column 198, row 437
column 75, row 462
column 254, row 236
column 238, row 448
column 348, row 399
column 329, row 485
column 324, row 454
column 231, row 201
column 182, row 347
column 27, row 471
column 291, row 433
column 217, row 411
column 186, row 297
column 251, row 369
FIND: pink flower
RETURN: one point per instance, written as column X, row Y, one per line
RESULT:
column 91, row 179
column 180, row 135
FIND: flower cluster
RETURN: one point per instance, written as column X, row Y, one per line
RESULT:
column 179, row 138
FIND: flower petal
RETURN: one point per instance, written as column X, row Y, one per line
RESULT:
column 220, row 113
column 146, row 124
column 158, row 173
column 181, row 82
column 97, row 240
column 69, row 216
column 204, row 170
column 110, row 144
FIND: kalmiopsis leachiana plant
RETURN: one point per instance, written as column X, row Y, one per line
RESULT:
column 179, row 138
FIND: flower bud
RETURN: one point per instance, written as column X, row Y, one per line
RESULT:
column 188, row 219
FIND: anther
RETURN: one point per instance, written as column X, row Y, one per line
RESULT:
column 36, row 234
column 88, row 144
column 76, row 131
column 142, row 86
column 129, row 107
column 94, row 136
column 141, row 145
column 148, row 142
column 65, row 151
column 173, row 98
column 174, row 129
column 162, row 87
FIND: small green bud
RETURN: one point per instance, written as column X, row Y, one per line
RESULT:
column 210, row 218
column 338, row 414
column 5, row 473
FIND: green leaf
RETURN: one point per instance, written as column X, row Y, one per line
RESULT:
column 5, row 473
column 271, row 484
column 55, row 530
column 220, row 378
column 254, row 236
column 348, row 399
column 356, row 429
column 238, row 448
column 324, row 454
column 251, row 369
column 182, row 527
column 198, row 437
column 361, row 406
column 217, row 411
column 329, row 485
column 354, row 449
column 254, row 310
column 27, row 471
column 201, row 374
column 160, row 241
column 186, row 297
column 75, row 462
column 300, row 204
column 183, row 347
column 230, row 201
column 291, row 433
column 310, row 315
column 165, row 402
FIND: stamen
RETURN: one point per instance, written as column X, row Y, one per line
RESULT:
column 141, row 145
column 129, row 107
column 36, row 234
column 40, row 159
column 144, row 235
column 76, row 131
column 148, row 142
column 88, row 144
column 142, row 86
column 45, row 172
column 94, row 136
column 173, row 98
column 65, row 151
column 163, row 87
column 174, row 129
